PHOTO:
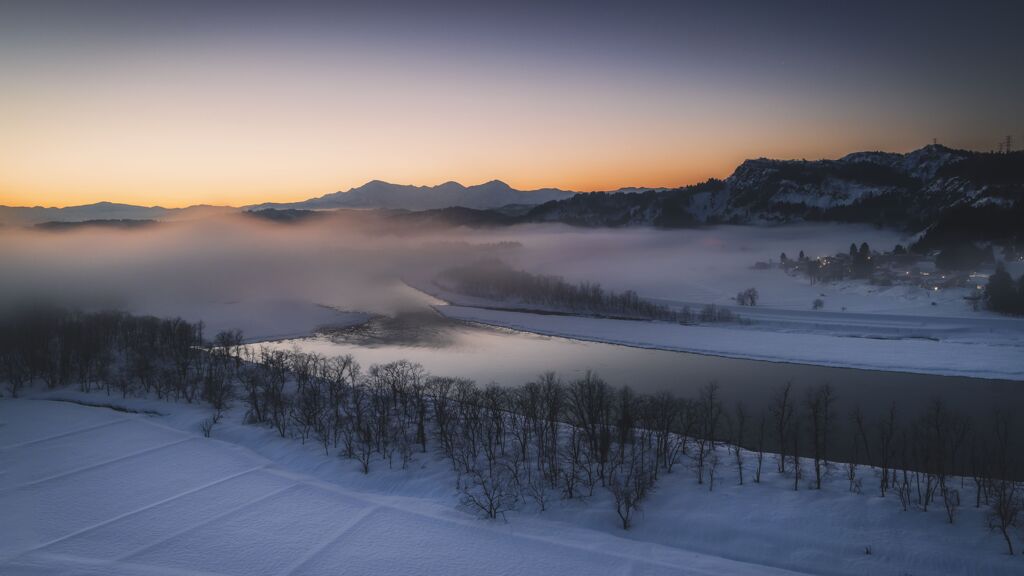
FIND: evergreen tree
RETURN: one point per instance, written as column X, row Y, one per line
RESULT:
column 861, row 260
column 1020, row 294
column 1000, row 293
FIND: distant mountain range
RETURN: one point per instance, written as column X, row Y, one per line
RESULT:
column 935, row 189
column 104, row 211
column 374, row 194
column 378, row 194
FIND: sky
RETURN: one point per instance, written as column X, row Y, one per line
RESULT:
column 180, row 103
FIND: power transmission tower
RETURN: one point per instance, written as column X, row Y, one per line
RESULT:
column 1009, row 143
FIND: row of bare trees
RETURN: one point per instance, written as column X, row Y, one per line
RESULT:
column 495, row 280
column 113, row 351
column 545, row 440
column 554, row 439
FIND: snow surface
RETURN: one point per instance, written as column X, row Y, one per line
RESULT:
column 89, row 491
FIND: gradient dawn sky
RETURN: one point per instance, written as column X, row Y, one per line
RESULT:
column 177, row 103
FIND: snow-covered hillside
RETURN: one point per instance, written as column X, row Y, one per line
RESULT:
column 865, row 186
column 913, row 190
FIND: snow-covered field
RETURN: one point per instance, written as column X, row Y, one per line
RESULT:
column 89, row 490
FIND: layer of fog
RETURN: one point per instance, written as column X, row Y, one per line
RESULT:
column 189, row 268
column 704, row 265
column 192, row 269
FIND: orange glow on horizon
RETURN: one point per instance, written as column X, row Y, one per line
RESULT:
column 171, row 197
column 205, row 127
column 154, row 104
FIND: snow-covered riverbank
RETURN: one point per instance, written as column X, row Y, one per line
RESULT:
column 875, row 342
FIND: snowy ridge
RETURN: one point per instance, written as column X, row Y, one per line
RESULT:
column 917, row 186
column 899, row 190
column 779, row 188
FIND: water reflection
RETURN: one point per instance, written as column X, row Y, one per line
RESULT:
column 420, row 329
column 511, row 358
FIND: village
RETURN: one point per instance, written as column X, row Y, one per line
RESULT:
column 932, row 271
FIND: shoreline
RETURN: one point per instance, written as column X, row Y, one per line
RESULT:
column 685, row 339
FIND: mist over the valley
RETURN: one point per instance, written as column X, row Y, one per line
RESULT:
column 188, row 268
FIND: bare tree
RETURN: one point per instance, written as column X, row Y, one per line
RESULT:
column 886, row 449
column 739, row 438
column 761, row 428
column 819, row 407
column 708, row 414
column 1007, row 498
column 14, row 370
column 781, row 410
column 794, row 433
column 951, row 502
column 1005, row 512
column 630, row 480
column 747, row 297
column 589, row 410
column 488, row 490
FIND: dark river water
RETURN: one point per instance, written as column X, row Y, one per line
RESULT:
column 510, row 358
